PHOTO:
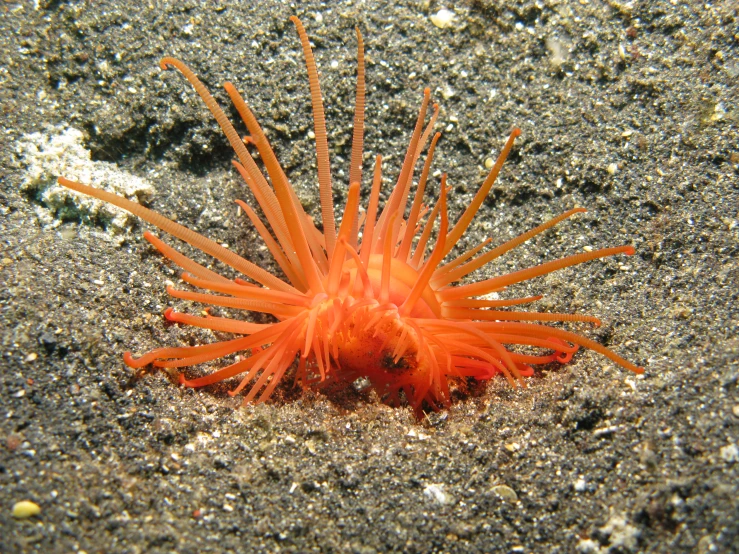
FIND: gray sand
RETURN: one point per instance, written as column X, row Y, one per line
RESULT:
column 629, row 109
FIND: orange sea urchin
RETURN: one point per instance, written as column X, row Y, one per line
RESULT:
column 382, row 308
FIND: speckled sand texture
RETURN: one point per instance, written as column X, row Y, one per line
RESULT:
column 627, row 108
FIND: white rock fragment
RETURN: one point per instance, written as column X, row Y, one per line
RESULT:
column 729, row 453
column 623, row 537
column 443, row 18
column 59, row 152
column 581, row 485
column 558, row 53
column 436, row 493
column 588, row 546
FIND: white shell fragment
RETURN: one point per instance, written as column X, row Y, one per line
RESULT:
column 505, row 492
column 25, row 509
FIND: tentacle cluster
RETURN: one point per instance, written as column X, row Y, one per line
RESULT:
column 372, row 299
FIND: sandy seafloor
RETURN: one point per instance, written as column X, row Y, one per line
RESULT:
column 627, row 108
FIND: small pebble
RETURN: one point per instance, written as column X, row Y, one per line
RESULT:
column 25, row 509
column 730, row 453
column 436, row 493
column 443, row 18
column 505, row 492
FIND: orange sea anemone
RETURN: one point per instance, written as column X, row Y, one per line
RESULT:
column 370, row 300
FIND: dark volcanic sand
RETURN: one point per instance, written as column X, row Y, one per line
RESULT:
column 629, row 109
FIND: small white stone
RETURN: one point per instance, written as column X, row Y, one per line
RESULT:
column 588, row 546
column 730, row 453
column 443, row 18
column 580, row 485
column 436, row 493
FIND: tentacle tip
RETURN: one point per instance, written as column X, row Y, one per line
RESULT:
column 629, row 250
column 427, row 92
column 185, row 383
column 515, row 132
column 169, row 314
column 164, row 64
column 638, row 370
column 129, row 360
column 231, row 393
column 295, row 19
